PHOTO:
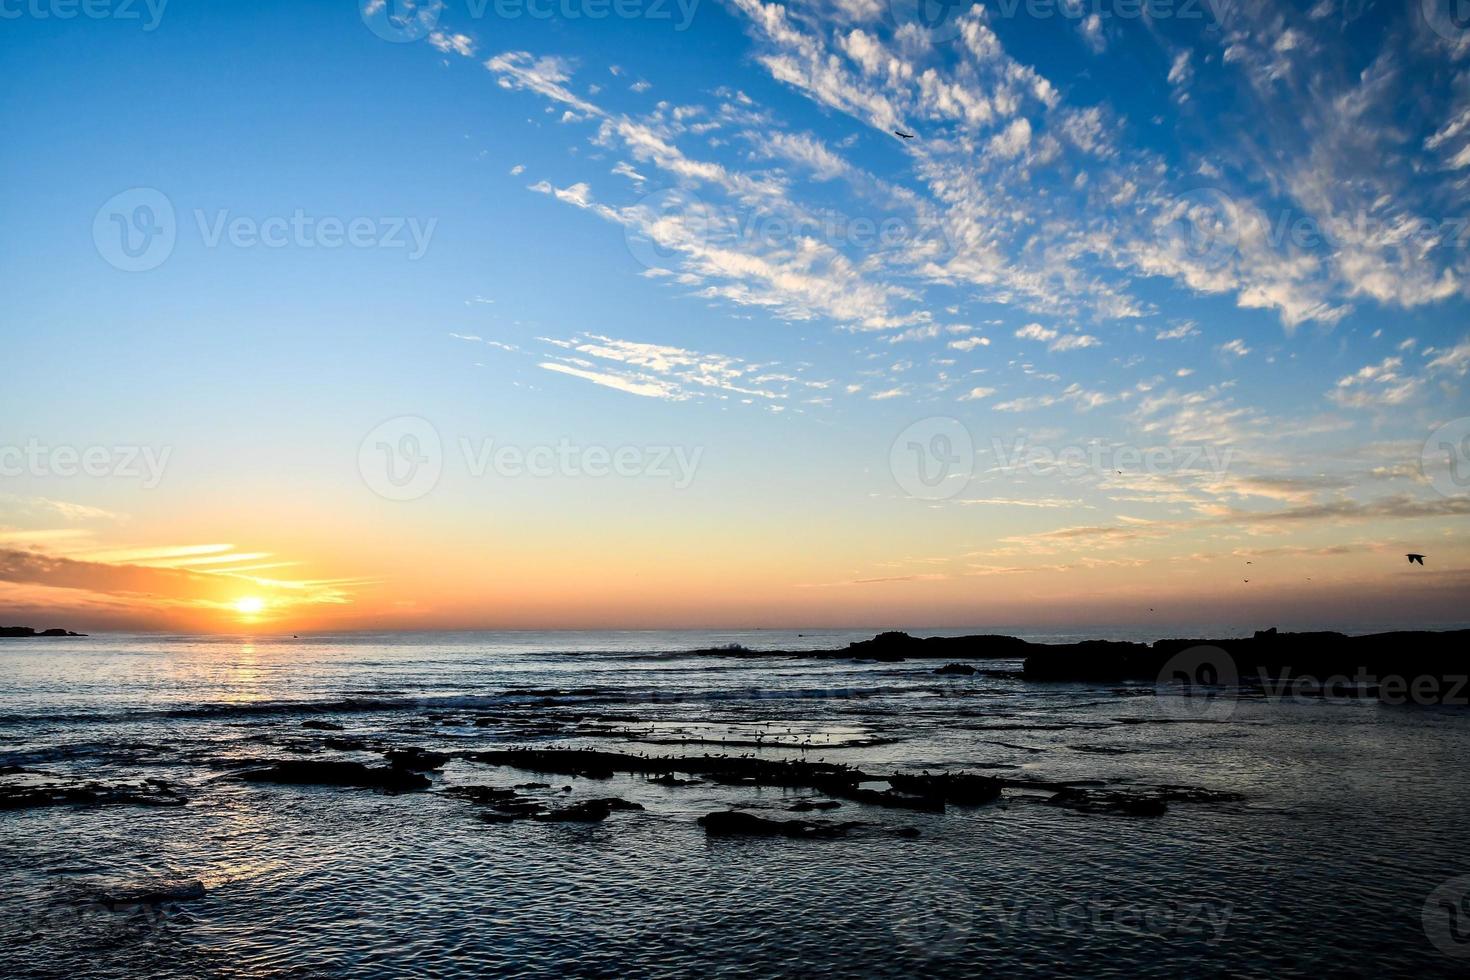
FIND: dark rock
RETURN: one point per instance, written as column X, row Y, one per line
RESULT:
column 589, row 811
column 25, row 791
column 895, row 800
column 957, row 670
column 484, row 795
column 416, row 759
column 316, row 772
column 24, row 632
column 346, row 744
column 1268, row 655
column 152, row 894
column 737, row 771
column 806, row 806
column 735, row 823
column 959, row 788
column 1119, row 803
column 321, row 726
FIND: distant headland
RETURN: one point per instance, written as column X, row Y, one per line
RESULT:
column 1438, row 660
column 26, row 631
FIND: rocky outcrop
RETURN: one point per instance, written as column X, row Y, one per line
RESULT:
column 21, row 790
column 736, row 823
column 959, row 788
column 22, row 632
column 416, row 759
column 1436, row 660
column 317, row 772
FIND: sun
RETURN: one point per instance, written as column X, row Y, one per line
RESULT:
column 249, row 605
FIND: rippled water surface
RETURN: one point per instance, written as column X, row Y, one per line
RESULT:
column 1349, row 817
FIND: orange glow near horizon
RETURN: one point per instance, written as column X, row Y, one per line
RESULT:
column 685, row 570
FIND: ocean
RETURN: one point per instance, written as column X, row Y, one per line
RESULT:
column 1327, row 836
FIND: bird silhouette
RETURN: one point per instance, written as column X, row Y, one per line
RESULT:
column 903, row 135
column 1415, row 559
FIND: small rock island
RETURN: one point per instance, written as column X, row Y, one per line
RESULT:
column 28, row 631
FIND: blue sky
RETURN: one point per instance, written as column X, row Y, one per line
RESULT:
column 1235, row 227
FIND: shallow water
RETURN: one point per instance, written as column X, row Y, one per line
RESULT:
column 1352, row 815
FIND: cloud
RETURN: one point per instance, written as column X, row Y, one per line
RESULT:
column 1376, row 386
column 166, row 582
column 460, row 44
column 1035, row 331
column 668, row 372
column 644, row 387
column 1178, row 332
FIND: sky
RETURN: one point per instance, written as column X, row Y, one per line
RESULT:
column 641, row 313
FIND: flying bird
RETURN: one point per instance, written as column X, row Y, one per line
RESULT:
column 1415, row 559
column 903, row 135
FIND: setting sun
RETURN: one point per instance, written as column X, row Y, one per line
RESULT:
column 249, row 606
